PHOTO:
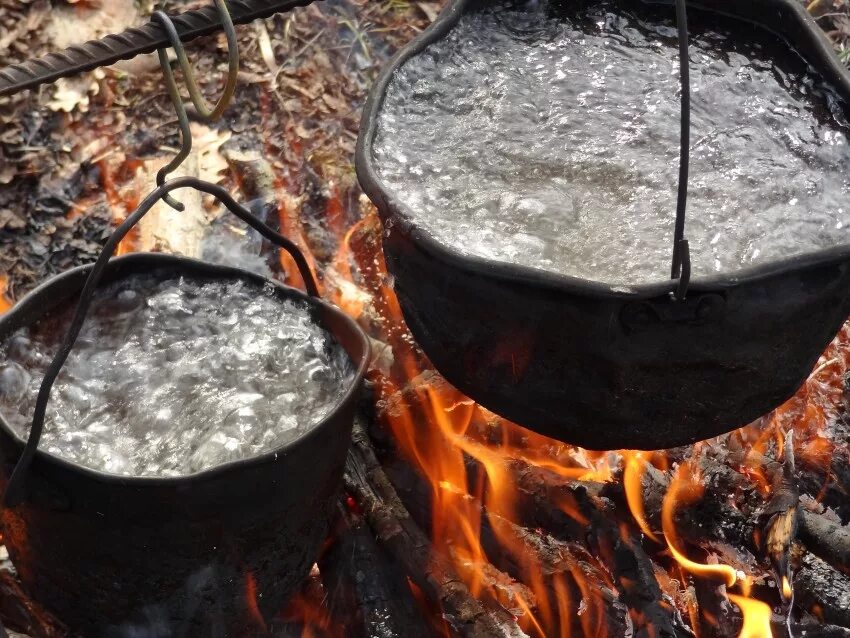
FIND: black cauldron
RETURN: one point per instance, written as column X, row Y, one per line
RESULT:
column 187, row 556
column 605, row 368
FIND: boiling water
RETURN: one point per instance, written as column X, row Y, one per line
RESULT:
column 552, row 141
column 174, row 376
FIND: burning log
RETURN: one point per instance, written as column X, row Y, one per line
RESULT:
column 826, row 539
column 823, row 590
column 364, row 588
column 397, row 532
column 19, row 611
column 781, row 528
column 567, row 572
column 556, row 561
column 546, row 498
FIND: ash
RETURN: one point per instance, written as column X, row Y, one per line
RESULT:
column 173, row 376
column 551, row 141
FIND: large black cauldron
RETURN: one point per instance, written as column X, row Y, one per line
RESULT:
column 185, row 556
column 597, row 366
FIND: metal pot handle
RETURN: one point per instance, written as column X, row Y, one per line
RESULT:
column 16, row 489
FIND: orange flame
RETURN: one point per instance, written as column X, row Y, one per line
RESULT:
column 756, row 614
column 686, row 487
column 252, row 603
column 5, row 302
column 635, row 465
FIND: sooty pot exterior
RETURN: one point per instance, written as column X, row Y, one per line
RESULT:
column 187, row 556
column 606, row 367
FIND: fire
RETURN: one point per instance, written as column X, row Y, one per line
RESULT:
column 5, row 302
column 306, row 611
column 463, row 454
column 686, row 487
column 756, row 614
column 632, row 477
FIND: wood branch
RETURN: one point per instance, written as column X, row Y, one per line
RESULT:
column 552, row 557
column 568, row 574
column 781, row 527
column 546, row 497
column 168, row 230
column 364, row 588
column 823, row 590
column 19, row 612
column 826, row 539
column 496, row 586
column 397, row 532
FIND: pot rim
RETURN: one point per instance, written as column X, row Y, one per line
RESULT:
column 179, row 262
column 396, row 214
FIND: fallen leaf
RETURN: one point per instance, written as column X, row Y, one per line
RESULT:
column 73, row 94
column 266, row 50
column 430, row 9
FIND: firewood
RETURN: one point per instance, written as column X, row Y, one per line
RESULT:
column 823, row 590
column 18, row 611
column 782, row 516
column 364, row 588
column 826, row 539
column 553, row 556
column 398, row 534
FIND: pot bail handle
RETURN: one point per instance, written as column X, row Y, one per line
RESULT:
column 16, row 488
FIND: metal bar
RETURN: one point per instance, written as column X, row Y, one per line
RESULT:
column 685, row 137
column 133, row 42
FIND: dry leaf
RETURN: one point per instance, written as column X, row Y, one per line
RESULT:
column 266, row 50
column 430, row 9
column 73, row 94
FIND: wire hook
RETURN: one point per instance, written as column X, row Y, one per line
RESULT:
column 204, row 112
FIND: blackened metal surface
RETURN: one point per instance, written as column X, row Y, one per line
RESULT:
column 199, row 554
column 604, row 367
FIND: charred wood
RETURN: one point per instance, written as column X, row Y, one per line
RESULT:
column 782, row 516
column 398, row 533
column 823, row 591
column 19, row 612
column 826, row 539
column 364, row 588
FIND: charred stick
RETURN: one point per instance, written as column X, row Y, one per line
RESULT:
column 364, row 588
column 397, row 532
column 823, row 591
column 19, row 612
column 781, row 527
column 496, row 586
column 826, row 539
column 557, row 566
column 548, row 497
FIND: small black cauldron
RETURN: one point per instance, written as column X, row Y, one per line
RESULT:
column 603, row 367
column 187, row 556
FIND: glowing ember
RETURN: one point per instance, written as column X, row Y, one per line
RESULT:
column 5, row 302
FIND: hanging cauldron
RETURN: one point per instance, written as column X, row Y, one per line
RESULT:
column 183, row 556
column 604, row 366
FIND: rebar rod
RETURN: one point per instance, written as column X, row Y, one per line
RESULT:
column 132, row 42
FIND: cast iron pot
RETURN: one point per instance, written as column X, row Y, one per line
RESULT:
column 602, row 367
column 185, row 556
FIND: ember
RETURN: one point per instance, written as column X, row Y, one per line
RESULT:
column 455, row 522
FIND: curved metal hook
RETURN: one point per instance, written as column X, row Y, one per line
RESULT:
column 177, row 101
column 16, row 487
column 204, row 112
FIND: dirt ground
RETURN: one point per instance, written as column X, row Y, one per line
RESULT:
column 71, row 154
